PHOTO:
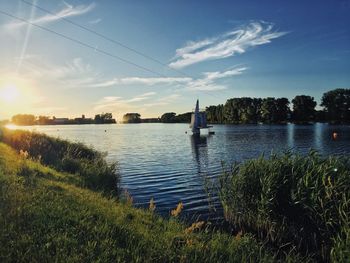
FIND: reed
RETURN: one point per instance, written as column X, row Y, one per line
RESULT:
column 45, row 218
column 75, row 158
column 292, row 202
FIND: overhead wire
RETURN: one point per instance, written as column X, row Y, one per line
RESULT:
column 96, row 49
column 116, row 42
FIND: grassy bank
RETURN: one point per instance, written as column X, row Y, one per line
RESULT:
column 46, row 216
column 87, row 164
column 292, row 202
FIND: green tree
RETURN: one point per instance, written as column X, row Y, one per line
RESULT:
column 184, row 117
column 303, row 108
column 215, row 114
column 232, row 110
column 132, row 118
column 23, row 119
column 44, row 120
column 268, row 110
column 104, row 118
column 168, row 117
column 282, row 110
column 337, row 105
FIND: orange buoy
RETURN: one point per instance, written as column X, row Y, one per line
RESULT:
column 334, row 135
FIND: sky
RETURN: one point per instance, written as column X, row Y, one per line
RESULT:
column 159, row 56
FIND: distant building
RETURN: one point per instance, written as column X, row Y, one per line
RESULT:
column 60, row 120
column 83, row 120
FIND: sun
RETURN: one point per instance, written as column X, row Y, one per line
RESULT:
column 9, row 93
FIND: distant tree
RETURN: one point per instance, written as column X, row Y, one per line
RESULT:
column 184, row 117
column 249, row 110
column 268, row 110
column 44, row 120
column 23, row 119
column 132, row 118
column 232, row 110
column 4, row 122
column 213, row 114
column 104, row 118
column 303, row 108
column 98, row 119
column 320, row 116
column 168, row 117
column 282, row 110
column 337, row 105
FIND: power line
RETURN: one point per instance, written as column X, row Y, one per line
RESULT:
column 107, row 38
column 113, row 41
column 81, row 43
column 93, row 48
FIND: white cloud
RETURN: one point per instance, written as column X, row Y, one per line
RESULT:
column 111, row 102
column 68, row 11
column 104, row 84
column 153, row 81
column 163, row 101
column 141, row 97
column 225, row 45
column 207, row 83
column 218, row 75
column 95, row 21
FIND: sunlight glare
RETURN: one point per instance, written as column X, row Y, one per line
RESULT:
column 11, row 126
column 9, row 93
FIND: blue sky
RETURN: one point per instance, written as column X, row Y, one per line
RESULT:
column 213, row 50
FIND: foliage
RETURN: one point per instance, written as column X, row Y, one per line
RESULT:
column 250, row 110
column 215, row 114
column 337, row 105
column 168, row 117
column 45, row 218
column 132, row 118
column 293, row 202
column 104, row 118
column 303, row 108
column 23, row 119
column 171, row 117
column 65, row 156
column 184, row 117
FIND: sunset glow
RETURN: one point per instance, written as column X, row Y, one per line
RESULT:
column 9, row 93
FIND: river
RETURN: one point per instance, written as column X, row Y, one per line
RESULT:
column 165, row 162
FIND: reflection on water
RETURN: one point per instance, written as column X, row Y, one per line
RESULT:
column 163, row 162
column 199, row 150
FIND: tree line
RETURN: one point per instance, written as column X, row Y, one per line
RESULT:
column 335, row 103
column 302, row 109
column 30, row 119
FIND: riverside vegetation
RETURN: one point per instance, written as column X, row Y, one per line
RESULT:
column 292, row 202
column 55, row 205
column 58, row 201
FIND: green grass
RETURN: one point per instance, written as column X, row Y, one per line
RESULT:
column 76, row 158
column 292, row 202
column 46, row 216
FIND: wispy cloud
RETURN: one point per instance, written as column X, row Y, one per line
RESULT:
column 163, row 101
column 226, row 45
column 72, row 74
column 95, row 21
column 208, row 82
column 67, row 11
column 139, row 80
column 111, row 102
column 153, row 81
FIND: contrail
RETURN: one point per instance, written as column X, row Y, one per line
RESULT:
column 26, row 38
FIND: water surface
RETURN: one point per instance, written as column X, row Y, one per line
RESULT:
column 164, row 162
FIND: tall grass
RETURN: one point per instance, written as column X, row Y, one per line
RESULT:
column 46, row 219
column 76, row 158
column 292, row 202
